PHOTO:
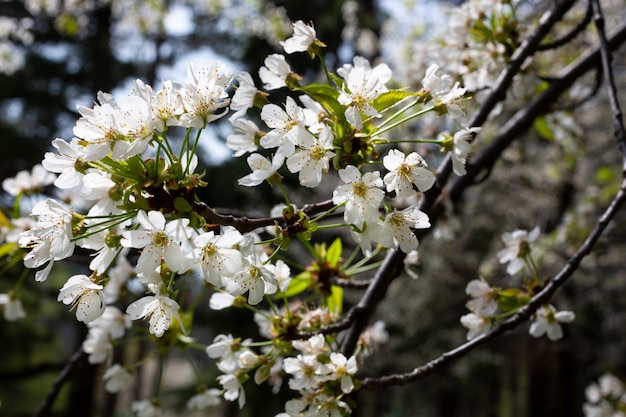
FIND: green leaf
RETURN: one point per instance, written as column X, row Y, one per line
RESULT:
column 181, row 205
column 327, row 97
column 391, row 98
column 334, row 301
column 299, row 284
column 541, row 126
column 333, row 253
column 511, row 299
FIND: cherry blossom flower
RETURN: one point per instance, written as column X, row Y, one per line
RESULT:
column 113, row 321
column 97, row 187
column 204, row 96
column 251, row 279
column 116, row 379
column 343, row 369
column 84, row 295
column 262, row 170
column 205, row 399
column 307, row 372
column 517, row 248
column 303, row 36
column 50, row 239
column 227, row 350
column 27, row 182
column 288, row 128
column 362, row 85
column 275, row 72
column 159, row 308
column 361, row 194
column 397, row 229
column 462, row 147
column 404, row 171
column 145, row 408
column 217, row 255
column 548, row 321
column 483, row 298
column 108, row 127
column 435, row 83
column 476, row 324
column 159, row 239
column 68, row 161
column 246, row 137
column 12, row 307
column 311, row 346
column 311, row 157
column 97, row 345
column 167, row 104
column 246, row 91
column 282, row 274
column 233, row 388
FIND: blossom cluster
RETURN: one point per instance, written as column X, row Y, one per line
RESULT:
column 125, row 193
column 490, row 304
column 606, row 398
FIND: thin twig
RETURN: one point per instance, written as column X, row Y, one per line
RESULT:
column 245, row 224
column 392, row 264
column 350, row 283
column 75, row 360
column 568, row 37
column 574, row 261
column 606, row 57
column 522, row 315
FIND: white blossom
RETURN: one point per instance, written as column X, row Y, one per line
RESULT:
column 233, row 388
column 12, row 306
column 245, row 138
column 68, row 161
column 404, row 171
column 116, row 379
column 397, row 229
column 159, row 309
column 311, row 158
column 159, row 239
column 303, row 36
column 274, row 73
column 548, row 321
column 361, row 194
column 205, row 399
column 85, row 296
column 262, row 169
column 204, row 96
column 26, row 182
column 217, row 254
column 483, row 298
column 462, row 141
column 288, row 128
column 517, row 248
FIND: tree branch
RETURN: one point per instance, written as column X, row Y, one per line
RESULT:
column 522, row 315
column 573, row 72
column 392, row 265
column 75, row 360
column 245, row 224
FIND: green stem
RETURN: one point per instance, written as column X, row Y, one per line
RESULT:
column 323, row 61
column 398, row 113
column 328, row 212
column 282, row 190
column 402, row 121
